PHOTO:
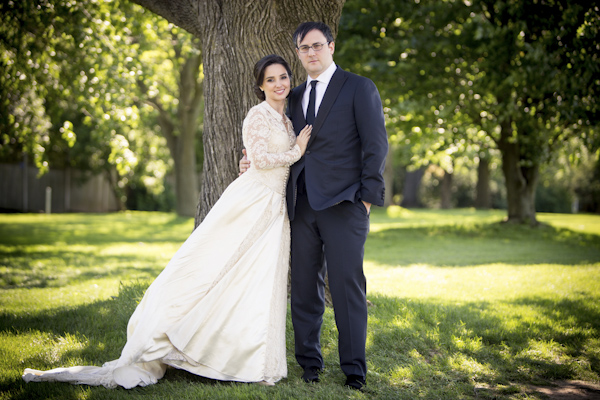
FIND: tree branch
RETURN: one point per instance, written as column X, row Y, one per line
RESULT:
column 166, row 125
column 184, row 14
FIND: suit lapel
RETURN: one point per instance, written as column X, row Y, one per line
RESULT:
column 331, row 94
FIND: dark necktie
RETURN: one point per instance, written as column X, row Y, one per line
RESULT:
column 310, row 111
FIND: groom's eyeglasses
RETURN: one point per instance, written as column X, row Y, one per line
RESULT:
column 316, row 47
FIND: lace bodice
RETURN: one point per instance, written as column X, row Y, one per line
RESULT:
column 270, row 145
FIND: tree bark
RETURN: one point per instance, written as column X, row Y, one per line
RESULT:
column 188, row 111
column 483, row 198
column 234, row 35
column 412, row 184
column 446, row 190
column 521, row 179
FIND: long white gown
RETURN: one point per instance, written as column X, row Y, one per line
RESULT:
column 218, row 308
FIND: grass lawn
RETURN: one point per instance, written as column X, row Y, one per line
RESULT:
column 462, row 306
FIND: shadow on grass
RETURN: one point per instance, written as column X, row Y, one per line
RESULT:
column 65, row 249
column 427, row 349
column 416, row 348
column 60, row 268
column 459, row 245
column 99, row 327
column 99, row 321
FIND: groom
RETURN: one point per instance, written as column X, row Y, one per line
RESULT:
column 329, row 196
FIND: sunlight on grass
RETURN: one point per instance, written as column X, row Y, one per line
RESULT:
column 65, row 251
column 491, row 282
column 473, row 310
column 587, row 223
column 398, row 217
column 470, row 367
column 43, row 298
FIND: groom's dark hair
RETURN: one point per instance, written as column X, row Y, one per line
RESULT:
column 306, row 27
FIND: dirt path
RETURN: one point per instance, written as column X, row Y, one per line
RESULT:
column 568, row 390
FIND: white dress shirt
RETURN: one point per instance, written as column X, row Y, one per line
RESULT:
column 323, row 82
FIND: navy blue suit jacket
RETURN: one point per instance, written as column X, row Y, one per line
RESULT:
column 345, row 156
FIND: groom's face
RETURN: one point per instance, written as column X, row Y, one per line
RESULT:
column 315, row 62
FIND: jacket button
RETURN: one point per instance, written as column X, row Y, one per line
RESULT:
column 307, row 152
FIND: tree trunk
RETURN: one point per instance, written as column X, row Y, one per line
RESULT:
column 446, row 189
column 181, row 132
column 188, row 111
column 521, row 179
column 412, row 184
column 483, row 198
column 234, row 35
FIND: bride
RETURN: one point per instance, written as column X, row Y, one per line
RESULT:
column 218, row 308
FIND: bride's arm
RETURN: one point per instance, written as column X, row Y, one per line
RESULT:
column 256, row 136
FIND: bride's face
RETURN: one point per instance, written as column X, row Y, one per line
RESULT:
column 276, row 84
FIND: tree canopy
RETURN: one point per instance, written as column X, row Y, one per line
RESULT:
column 107, row 86
column 462, row 77
column 93, row 85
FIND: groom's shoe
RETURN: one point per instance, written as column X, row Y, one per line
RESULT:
column 355, row 382
column 311, row 375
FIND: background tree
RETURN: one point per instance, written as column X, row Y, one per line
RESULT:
column 412, row 52
column 543, row 71
column 30, row 66
column 169, row 76
column 524, row 74
column 233, row 36
column 78, row 83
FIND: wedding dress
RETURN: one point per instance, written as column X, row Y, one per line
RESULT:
column 218, row 309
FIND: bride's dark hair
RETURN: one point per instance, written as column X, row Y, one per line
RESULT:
column 259, row 72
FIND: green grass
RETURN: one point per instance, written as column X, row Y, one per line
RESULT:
column 462, row 306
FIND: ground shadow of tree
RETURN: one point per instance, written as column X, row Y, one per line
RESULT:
column 428, row 349
column 421, row 348
column 22, row 269
column 50, row 254
column 465, row 245
column 100, row 326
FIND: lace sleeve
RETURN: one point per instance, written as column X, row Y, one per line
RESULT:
column 256, row 134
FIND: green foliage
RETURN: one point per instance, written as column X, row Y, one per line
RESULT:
column 140, row 198
column 552, row 198
column 80, row 82
column 570, row 180
column 530, row 69
column 452, row 73
column 586, row 184
column 464, row 181
column 414, row 53
column 461, row 305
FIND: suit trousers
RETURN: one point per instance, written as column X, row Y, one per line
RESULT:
column 336, row 235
